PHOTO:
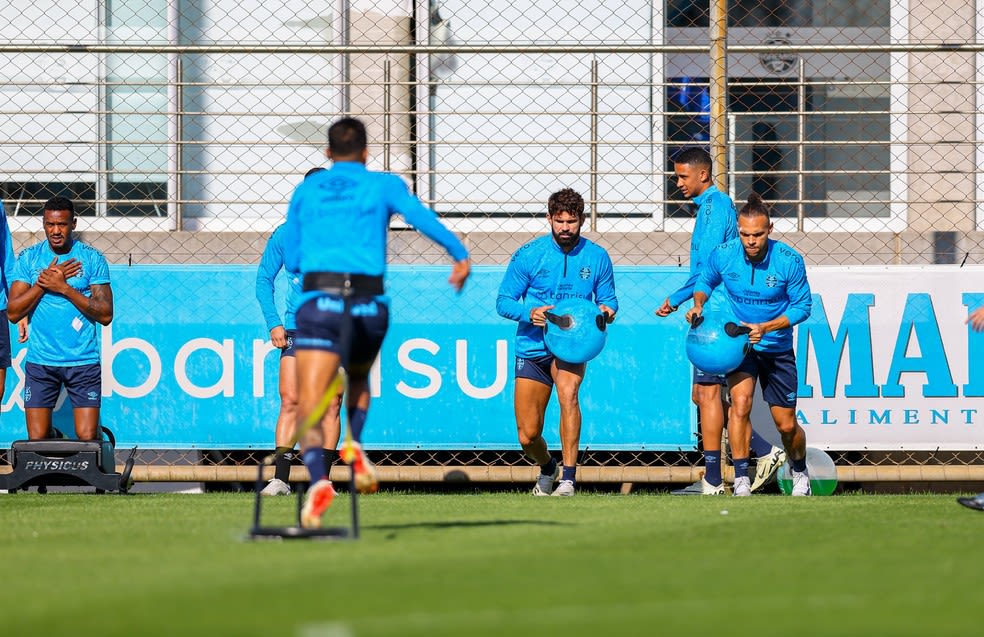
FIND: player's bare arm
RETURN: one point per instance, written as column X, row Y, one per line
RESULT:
column 23, row 299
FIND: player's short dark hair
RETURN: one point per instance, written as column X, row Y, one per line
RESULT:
column 347, row 137
column 60, row 203
column 316, row 169
column 755, row 207
column 566, row 200
column 694, row 156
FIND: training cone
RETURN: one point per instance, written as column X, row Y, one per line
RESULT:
column 716, row 343
column 820, row 466
column 575, row 331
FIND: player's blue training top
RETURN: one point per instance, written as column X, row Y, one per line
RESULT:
column 270, row 265
column 762, row 291
column 61, row 335
column 716, row 223
column 541, row 273
column 7, row 254
column 338, row 220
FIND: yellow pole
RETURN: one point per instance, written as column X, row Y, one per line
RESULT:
column 719, row 92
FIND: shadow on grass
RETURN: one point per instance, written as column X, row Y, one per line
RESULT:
column 460, row 524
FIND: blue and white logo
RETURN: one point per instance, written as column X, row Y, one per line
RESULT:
column 771, row 281
column 585, row 273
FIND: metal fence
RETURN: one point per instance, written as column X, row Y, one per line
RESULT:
column 181, row 127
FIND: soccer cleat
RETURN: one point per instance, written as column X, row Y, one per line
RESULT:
column 316, row 502
column 801, row 482
column 564, row 488
column 276, row 487
column 742, row 487
column 701, row 487
column 767, row 466
column 544, row 483
column 363, row 471
column 976, row 502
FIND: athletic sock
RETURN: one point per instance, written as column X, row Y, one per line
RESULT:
column 549, row 468
column 799, row 466
column 314, row 460
column 330, row 455
column 712, row 468
column 568, row 473
column 281, row 463
column 356, row 421
column 741, row 467
column 760, row 446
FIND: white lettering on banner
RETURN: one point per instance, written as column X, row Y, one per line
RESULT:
column 16, row 395
column 261, row 349
column 501, row 370
column 887, row 417
column 226, row 353
column 434, row 376
column 109, row 352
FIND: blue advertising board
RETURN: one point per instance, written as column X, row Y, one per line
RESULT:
column 187, row 363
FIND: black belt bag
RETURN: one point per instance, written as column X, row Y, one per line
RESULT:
column 343, row 284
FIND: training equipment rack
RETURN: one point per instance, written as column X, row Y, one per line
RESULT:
column 67, row 462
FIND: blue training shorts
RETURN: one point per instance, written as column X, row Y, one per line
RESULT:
column 537, row 369
column 43, row 383
column 319, row 327
column 4, row 341
column 289, row 350
column 703, row 378
column 776, row 373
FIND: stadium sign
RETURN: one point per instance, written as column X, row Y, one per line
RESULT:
column 886, row 362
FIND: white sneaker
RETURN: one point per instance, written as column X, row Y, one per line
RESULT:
column 276, row 487
column 544, row 483
column 564, row 488
column 801, row 482
column 766, row 467
column 742, row 487
column 701, row 487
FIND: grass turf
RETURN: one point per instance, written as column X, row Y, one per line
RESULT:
column 493, row 564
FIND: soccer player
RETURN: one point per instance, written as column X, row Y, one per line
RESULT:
column 976, row 322
column 765, row 284
column 282, row 336
column 554, row 267
column 7, row 275
column 63, row 286
column 714, row 224
column 336, row 231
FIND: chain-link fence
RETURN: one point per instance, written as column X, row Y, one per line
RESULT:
column 180, row 128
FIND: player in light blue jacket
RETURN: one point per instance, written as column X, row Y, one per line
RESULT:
column 766, row 287
column 542, row 272
column 282, row 333
column 7, row 275
column 715, row 223
column 336, row 231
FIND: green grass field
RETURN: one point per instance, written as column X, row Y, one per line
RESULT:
column 471, row 564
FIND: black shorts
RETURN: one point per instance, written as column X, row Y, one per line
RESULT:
column 776, row 373
column 4, row 341
column 43, row 383
column 319, row 326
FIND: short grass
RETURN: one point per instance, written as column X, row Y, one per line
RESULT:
column 504, row 564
